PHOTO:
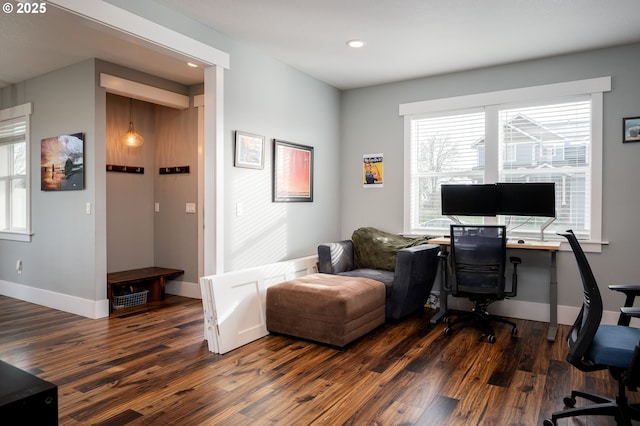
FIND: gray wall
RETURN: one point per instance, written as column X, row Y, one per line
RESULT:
column 370, row 123
column 175, row 231
column 68, row 253
column 266, row 97
column 62, row 254
column 130, row 197
column 136, row 235
column 282, row 103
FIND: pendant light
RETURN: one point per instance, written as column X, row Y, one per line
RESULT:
column 131, row 138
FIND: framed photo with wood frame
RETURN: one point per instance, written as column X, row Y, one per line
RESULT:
column 631, row 129
column 292, row 172
column 249, row 150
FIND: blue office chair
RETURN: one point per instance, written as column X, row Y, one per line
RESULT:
column 594, row 346
column 478, row 260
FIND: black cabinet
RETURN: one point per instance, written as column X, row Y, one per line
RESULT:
column 26, row 399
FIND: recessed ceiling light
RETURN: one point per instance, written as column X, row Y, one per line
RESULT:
column 192, row 65
column 355, row 43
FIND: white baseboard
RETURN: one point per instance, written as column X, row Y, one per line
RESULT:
column 183, row 288
column 532, row 310
column 93, row 309
column 100, row 308
column 63, row 302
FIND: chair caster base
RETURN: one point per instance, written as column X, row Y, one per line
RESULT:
column 569, row 401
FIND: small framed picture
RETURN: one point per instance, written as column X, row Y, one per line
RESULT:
column 372, row 170
column 249, row 150
column 292, row 172
column 631, row 129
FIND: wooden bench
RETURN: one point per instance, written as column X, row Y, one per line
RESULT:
column 152, row 278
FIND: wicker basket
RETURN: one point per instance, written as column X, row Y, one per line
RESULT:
column 129, row 300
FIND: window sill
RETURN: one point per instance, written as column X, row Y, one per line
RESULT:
column 588, row 246
column 16, row 236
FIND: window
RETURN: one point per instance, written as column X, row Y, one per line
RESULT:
column 558, row 137
column 547, row 133
column 14, row 173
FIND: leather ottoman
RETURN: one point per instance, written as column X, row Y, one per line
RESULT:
column 326, row 308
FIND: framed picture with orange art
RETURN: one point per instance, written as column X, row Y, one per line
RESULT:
column 292, row 172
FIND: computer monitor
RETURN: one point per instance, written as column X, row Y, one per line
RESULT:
column 469, row 200
column 527, row 199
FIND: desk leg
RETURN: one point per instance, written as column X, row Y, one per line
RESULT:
column 444, row 303
column 553, row 300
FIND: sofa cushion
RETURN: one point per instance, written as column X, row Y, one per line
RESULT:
column 377, row 249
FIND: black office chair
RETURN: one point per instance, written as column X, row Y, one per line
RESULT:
column 478, row 260
column 594, row 346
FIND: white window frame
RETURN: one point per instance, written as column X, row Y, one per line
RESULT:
column 594, row 87
column 21, row 111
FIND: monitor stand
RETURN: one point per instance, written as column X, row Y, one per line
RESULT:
column 545, row 226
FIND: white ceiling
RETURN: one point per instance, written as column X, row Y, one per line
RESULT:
column 35, row 44
column 413, row 38
column 404, row 38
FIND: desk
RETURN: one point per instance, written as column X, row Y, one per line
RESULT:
column 550, row 246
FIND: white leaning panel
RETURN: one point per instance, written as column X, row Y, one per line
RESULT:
column 234, row 303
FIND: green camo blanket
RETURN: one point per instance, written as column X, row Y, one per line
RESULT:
column 377, row 249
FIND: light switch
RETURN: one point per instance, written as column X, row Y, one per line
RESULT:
column 156, row 207
column 87, row 208
column 239, row 209
column 191, row 208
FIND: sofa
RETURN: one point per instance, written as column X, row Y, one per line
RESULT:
column 406, row 266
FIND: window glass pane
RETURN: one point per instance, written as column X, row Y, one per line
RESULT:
column 550, row 143
column 5, row 168
column 444, row 149
column 19, row 158
column 4, row 223
column 19, row 205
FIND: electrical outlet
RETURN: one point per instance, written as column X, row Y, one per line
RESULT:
column 19, row 267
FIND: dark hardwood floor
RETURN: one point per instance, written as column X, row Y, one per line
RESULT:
column 152, row 367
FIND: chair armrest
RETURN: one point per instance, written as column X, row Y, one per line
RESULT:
column 631, row 311
column 415, row 272
column 630, row 291
column 337, row 257
column 443, row 257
